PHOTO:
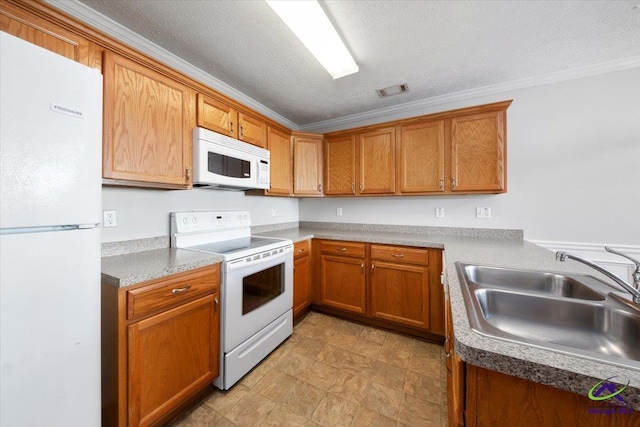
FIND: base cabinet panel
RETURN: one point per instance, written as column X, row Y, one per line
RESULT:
column 400, row 293
column 170, row 356
column 301, row 278
column 343, row 283
column 158, row 359
column 388, row 286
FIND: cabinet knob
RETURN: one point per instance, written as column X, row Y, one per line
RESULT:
column 180, row 290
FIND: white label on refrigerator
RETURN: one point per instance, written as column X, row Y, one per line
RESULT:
column 69, row 111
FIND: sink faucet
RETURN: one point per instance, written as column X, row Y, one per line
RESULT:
column 634, row 289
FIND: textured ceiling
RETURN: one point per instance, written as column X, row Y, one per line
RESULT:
column 435, row 47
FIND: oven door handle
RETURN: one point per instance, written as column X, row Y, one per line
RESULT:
column 261, row 258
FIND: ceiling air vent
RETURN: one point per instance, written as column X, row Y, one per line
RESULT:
column 393, row 90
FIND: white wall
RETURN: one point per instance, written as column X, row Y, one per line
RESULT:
column 143, row 213
column 573, row 168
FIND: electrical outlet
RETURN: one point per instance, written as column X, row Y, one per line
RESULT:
column 339, row 211
column 439, row 212
column 273, row 211
column 109, row 219
column 483, row 213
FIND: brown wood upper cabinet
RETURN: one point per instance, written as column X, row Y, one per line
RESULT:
column 147, row 128
column 376, row 162
column 49, row 36
column 361, row 163
column 281, row 166
column 307, row 163
column 219, row 117
column 252, row 130
column 478, row 152
column 460, row 151
column 420, row 157
column 340, row 165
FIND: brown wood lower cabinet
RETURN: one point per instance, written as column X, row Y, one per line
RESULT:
column 301, row 278
column 160, row 346
column 343, row 283
column 479, row 397
column 385, row 285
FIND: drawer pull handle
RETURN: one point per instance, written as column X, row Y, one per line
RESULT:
column 342, row 249
column 300, row 250
column 398, row 255
column 180, row 290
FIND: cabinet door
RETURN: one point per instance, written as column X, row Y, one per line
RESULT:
column 376, row 162
column 307, row 162
column 421, row 157
column 252, row 130
column 340, row 165
column 478, row 152
column 342, row 282
column 281, row 166
column 48, row 36
column 400, row 293
column 217, row 116
column 170, row 357
column 301, row 284
column 148, row 123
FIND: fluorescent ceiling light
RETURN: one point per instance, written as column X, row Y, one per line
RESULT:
column 310, row 24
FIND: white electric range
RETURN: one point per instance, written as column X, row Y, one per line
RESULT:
column 256, row 289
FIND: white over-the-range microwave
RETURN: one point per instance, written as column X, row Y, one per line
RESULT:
column 225, row 163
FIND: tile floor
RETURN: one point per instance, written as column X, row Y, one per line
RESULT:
column 332, row 372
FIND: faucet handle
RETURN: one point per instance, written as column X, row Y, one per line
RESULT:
column 613, row 251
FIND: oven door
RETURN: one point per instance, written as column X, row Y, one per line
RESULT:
column 255, row 293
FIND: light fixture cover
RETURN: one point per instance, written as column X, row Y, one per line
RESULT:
column 310, row 24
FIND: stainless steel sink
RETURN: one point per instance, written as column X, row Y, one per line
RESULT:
column 530, row 281
column 574, row 314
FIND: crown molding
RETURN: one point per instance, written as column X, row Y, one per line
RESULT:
column 409, row 109
column 110, row 27
column 418, row 107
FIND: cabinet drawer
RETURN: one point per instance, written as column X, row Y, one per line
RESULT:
column 172, row 291
column 343, row 248
column 400, row 254
column 301, row 249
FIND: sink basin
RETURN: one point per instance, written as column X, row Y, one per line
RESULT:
column 589, row 327
column 530, row 281
column 569, row 313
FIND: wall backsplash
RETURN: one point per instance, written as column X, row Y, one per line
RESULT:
column 143, row 213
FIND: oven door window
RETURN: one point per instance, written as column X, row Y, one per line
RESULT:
column 261, row 287
column 228, row 166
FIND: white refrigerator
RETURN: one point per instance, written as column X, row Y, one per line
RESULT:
column 50, row 205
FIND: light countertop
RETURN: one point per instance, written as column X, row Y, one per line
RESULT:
column 500, row 248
